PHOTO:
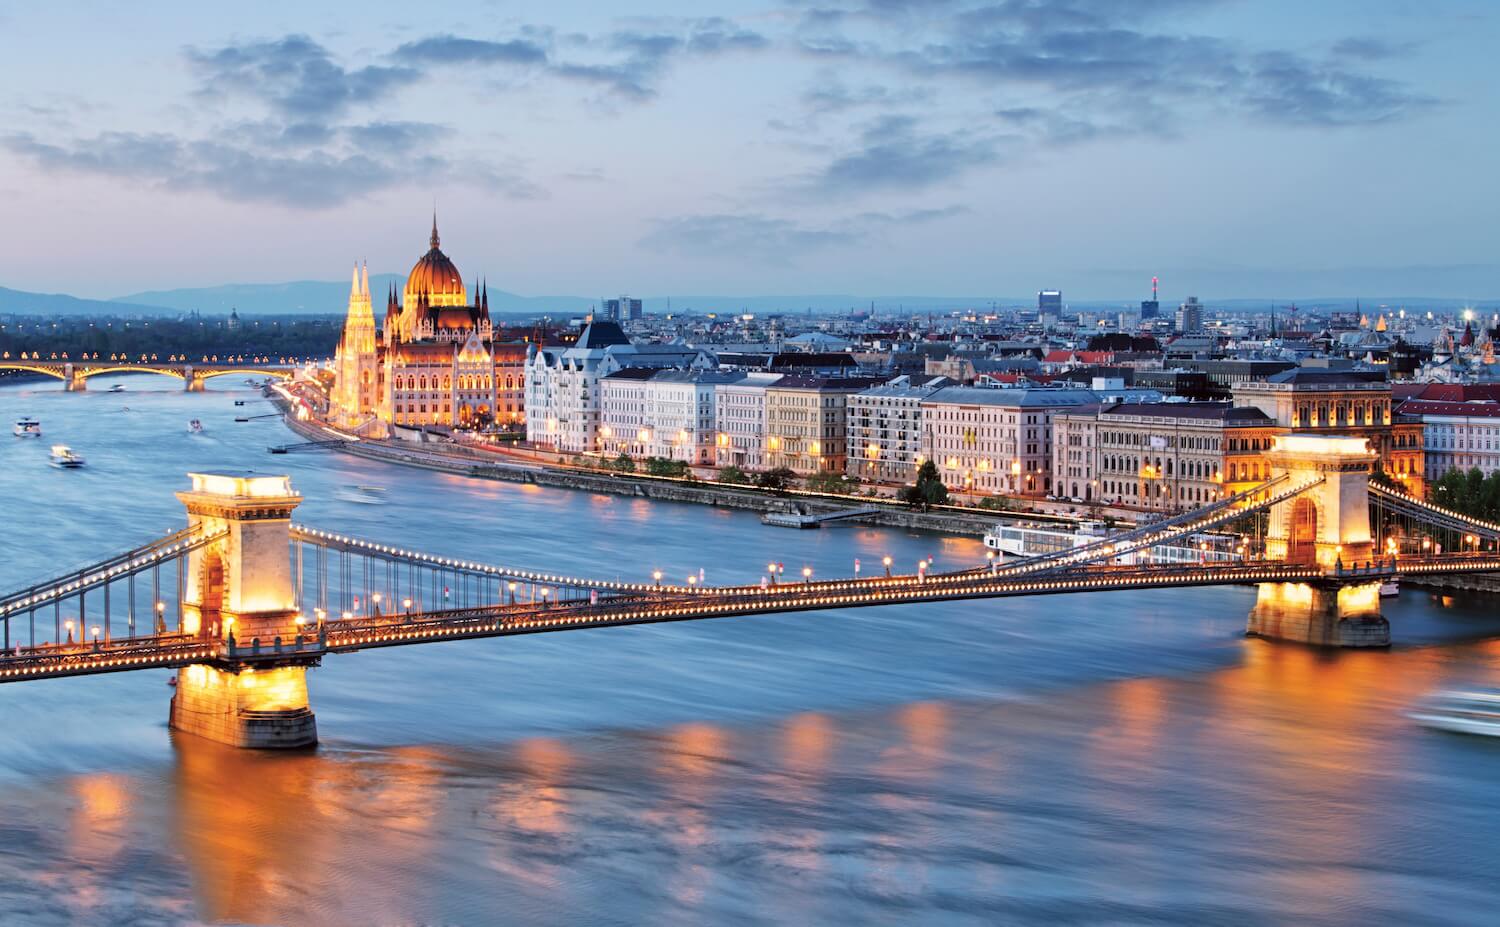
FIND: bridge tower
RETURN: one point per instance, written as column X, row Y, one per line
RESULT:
column 239, row 592
column 1328, row 527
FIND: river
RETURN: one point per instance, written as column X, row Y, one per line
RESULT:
column 1122, row 758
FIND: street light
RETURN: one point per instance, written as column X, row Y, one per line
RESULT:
column 656, row 575
column 886, row 560
column 68, row 626
column 511, row 587
column 807, row 574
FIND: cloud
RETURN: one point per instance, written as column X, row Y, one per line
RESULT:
column 767, row 240
column 770, row 240
column 1284, row 88
column 452, row 49
column 894, row 153
column 295, row 76
column 306, row 180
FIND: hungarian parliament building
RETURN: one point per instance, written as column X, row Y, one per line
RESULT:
column 437, row 360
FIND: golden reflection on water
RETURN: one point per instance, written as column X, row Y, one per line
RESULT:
column 534, row 805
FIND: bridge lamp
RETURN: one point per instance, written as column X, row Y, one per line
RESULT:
column 511, row 587
column 375, row 598
column 347, row 615
column 68, row 626
column 886, row 562
column 656, row 575
column 544, row 591
column 807, row 574
column 95, row 631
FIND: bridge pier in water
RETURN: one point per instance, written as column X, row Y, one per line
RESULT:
column 192, row 380
column 239, row 593
column 1328, row 526
column 74, row 380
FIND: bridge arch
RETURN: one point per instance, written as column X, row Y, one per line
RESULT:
column 56, row 372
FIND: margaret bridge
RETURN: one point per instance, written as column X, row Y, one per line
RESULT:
column 242, row 601
column 75, row 374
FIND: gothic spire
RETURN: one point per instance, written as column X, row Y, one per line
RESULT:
column 364, row 280
column 354, row 283
column 434, row 240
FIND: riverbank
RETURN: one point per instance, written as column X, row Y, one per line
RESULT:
column 463, row 461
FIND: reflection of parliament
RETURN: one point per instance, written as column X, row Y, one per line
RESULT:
column 436, row 361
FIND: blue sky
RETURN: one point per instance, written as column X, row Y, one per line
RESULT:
column 875, row 147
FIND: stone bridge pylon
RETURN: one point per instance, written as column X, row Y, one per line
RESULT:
column 239, row 594
column 1328, row 526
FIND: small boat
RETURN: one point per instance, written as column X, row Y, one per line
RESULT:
column 1476, row 711
column 364, row 495
column 117, row 388
column 65, row 458
column 27, row 428
column 1390, row 589
column 195, row 427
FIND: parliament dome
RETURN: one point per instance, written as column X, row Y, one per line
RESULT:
column 435, row 281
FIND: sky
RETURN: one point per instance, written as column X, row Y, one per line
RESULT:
column 869, row 147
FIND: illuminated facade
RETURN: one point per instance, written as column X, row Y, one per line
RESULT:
column 436, row 360
column 1343, row 402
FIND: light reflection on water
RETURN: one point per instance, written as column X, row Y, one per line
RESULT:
column 1123, row 759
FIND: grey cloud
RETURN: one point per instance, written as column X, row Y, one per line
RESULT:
column 831, row 95
column 452, row 49
column 1372, row 49
column 1285, row 88
column 393, row 136
column 311, row 180
column 760, row 238
column 295, row 76
column 775, row 241
column 1082, row 59
column 716, row 34
column 894, row 154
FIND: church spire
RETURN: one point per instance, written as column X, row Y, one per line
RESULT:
column 354, row 283
column 364, row 280
column 434, row 240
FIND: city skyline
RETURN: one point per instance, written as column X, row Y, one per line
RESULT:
column 1235, row 149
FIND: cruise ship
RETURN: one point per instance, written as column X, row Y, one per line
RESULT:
column 1031, row 539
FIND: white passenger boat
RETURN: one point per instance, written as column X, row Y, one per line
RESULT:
column 27, row 428
column 195, row 427
column 117, row 388
column 364, row 495
column 1390, row 589
column 1473, row 711
column 64, row 457
column 1031, row 539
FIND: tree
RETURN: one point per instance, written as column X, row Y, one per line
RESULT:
column 623, row 463
column 997, row 503
column 827, row 481
column 734, row 476
column 665, row 466
column 777, row 479
column 929, row 489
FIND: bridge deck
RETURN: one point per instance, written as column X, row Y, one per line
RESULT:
column 168, row 651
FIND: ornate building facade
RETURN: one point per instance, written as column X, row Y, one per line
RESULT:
column 437, row 359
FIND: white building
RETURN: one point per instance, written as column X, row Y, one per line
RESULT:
column 661, row 413
column 1457, row 435
column 885, row 430
column 562, row 383
column 740, row 416
column 994, row 440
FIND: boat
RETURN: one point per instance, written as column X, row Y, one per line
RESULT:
column 1390, row 589
column 64, row 457
column 195, row 427
column 27, row 428
column 117, row 388
column 1473, row 711
column 1033, row 539
column 364, row 495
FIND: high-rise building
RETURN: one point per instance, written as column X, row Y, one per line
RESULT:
column 621, row 310
column 1150, row 308
column 1190, row 316
column 1049, row 301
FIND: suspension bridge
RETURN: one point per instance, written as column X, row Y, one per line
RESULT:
column 75, row 374
column 242, row 601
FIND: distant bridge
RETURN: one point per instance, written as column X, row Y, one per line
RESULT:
column 75, row 374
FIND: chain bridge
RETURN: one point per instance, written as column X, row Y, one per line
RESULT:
column 242, row 601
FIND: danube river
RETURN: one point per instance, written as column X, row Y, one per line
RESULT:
column 1123, row 758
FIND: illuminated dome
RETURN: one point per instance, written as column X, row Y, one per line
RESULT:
column 434, row 281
